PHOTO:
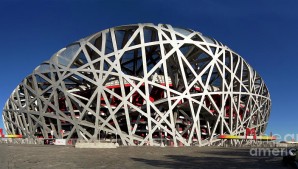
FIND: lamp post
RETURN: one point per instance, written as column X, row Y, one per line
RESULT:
column 116, row 137
column 161, row 138
column 99, row 135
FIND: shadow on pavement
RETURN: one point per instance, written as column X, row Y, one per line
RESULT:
column 213, row 162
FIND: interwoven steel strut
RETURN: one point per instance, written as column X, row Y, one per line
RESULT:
column 144, row 84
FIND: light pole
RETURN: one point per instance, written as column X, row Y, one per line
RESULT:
column 99, row 135
column 161, row 138
column 116, row 137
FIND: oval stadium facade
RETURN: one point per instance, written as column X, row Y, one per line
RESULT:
column 143, row 84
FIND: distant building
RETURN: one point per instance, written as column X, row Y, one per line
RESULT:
column 143, row 84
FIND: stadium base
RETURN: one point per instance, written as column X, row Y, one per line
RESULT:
column 96, row 145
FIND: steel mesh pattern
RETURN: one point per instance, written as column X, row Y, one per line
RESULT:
column 143, row 84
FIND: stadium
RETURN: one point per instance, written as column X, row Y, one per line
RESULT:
column 140, row 84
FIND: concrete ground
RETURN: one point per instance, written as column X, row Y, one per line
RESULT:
column 50, row 156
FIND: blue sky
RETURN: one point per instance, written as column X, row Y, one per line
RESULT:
column 265, row 33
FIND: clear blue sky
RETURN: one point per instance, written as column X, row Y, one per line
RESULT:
column 265, row 33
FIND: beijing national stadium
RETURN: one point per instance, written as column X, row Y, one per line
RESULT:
column 142, row 84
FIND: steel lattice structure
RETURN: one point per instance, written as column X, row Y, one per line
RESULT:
column 145, row 83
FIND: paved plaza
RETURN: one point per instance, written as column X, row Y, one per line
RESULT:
column 50, row 156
